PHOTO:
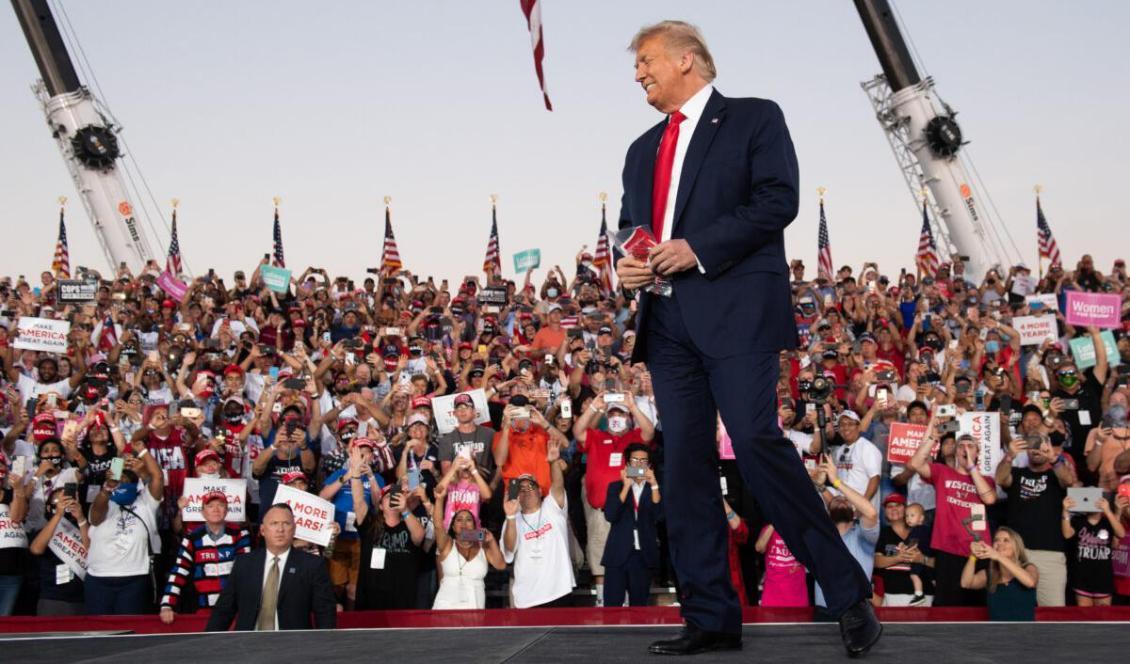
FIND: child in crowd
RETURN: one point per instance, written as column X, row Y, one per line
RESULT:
column 920, row 536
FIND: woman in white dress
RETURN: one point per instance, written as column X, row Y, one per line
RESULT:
column 463, row 552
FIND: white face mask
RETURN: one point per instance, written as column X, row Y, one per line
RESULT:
column 617, row 425
column 209, row 476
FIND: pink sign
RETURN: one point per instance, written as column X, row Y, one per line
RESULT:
column 1098, row 309
column 171, row 285
column 725, row 445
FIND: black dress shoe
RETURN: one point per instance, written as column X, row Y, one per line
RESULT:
column 693, row 641
column 859, row 628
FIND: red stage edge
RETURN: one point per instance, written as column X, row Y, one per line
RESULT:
column 581, row 617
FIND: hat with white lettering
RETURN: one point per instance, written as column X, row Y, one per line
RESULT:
column 214, row 495
column 206, row 455
column 850, row 414
column 292, row 477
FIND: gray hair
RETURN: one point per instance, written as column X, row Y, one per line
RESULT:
column 683, row 37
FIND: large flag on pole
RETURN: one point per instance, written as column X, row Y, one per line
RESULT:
column 1046, row 241
column 173, row 261
column 532, row 11
column 823, row 247
column 390, row 255
column 61, row 263
column 927, row 257
column 492, row 263
column 602, row 260
column 279, row 260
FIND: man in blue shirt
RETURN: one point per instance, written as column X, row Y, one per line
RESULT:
column 354, row 484
column 855, row 517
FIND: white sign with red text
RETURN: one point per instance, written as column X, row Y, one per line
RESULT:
column 313, row 517
column 66, row 544
column 1034, row 330
column 12, row 535
column 42, row 334
column 195, row 488
column 444, row 410
column 986, row 431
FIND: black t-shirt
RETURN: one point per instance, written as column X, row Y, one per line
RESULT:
column 98, row 464
column 393, row 586
column 1035, row 504
column 896, row 579
column 1091, row 565
column 1090, row 412
column 273, row 474
column 480, row 443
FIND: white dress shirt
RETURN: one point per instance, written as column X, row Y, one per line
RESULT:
column 693, row 111
column 267, row 560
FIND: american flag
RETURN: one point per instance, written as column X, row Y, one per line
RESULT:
column 278, row 261
column 823, row 248
column 61, row 264
column 602, row 259
column 492, row 263
column 927, row 257
column 532, row 11
column 108, row 335
column 390, row 256
column 173, row 262
column 1048, row 248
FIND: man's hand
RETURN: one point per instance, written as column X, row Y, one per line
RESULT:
column 671, row 257
column 634, row 273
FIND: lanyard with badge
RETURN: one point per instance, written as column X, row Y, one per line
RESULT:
column 536, row 549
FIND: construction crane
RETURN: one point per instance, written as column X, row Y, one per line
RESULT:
column 927, row 143
column 87, row 139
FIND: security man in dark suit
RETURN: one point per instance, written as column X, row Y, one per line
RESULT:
column 631, row 554
column 277, row 587
column 716, row 183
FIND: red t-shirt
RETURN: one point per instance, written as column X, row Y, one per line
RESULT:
column 956, row 493
column 605, row 453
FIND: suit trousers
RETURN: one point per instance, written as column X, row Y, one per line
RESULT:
column 633, row 578
column 690, row 390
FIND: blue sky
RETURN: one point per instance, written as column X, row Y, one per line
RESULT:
column 334, row 105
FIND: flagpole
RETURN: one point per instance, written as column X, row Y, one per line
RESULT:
column 1039, row 259
column 62, row 212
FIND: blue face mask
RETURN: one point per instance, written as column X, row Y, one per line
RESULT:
column 124, row 494
column 992, row 346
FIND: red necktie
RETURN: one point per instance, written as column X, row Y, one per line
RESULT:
column 661, row 184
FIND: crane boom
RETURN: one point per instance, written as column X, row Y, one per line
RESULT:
column 86, row 139
column 927, row 142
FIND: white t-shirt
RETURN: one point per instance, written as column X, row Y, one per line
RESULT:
column 117, row 545
column 543, row 571
column 801, row 441
column 31, row 388
column 857, row 464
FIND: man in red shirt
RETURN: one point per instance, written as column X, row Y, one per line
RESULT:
column 605, row 450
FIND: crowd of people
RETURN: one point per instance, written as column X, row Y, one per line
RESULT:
column 486, row 453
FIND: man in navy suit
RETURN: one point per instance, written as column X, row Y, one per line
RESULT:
column 277, row 587
column 716, row 182
column 631, row 553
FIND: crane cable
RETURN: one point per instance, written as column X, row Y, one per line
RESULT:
column 83, row 62
column 967, row 158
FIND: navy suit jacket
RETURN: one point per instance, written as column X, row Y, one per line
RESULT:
column 306, row 598
column 737, row 193
column 625, row 519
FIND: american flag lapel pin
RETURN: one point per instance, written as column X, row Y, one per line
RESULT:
column 714, row 121
column 290, row 571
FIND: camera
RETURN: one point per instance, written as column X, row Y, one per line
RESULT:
column 947, row 410
column 949, row 427
column 1070, row 404
column 636, row 471
column 819, row 389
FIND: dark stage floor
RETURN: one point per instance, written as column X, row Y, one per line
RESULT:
column 935, row 643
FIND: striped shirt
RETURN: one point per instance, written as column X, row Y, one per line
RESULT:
column 207, row 562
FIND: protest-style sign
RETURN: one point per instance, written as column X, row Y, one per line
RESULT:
column 195, row 488
column 495, row 295
column 1023, row 284
column 312, row 515
column 173, row 287
column 1098, row 309
column 444, row 410
column 1034, row 330
column 1042, row 301
column 12, row 535
column 275, row 278
column 903, row 441
column 75, row 291
column 1083, row 350
column 524, row 260
column 986, row 431
column 42, row 334
column 66, row 544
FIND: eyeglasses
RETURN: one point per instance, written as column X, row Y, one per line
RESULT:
column 638, row 461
